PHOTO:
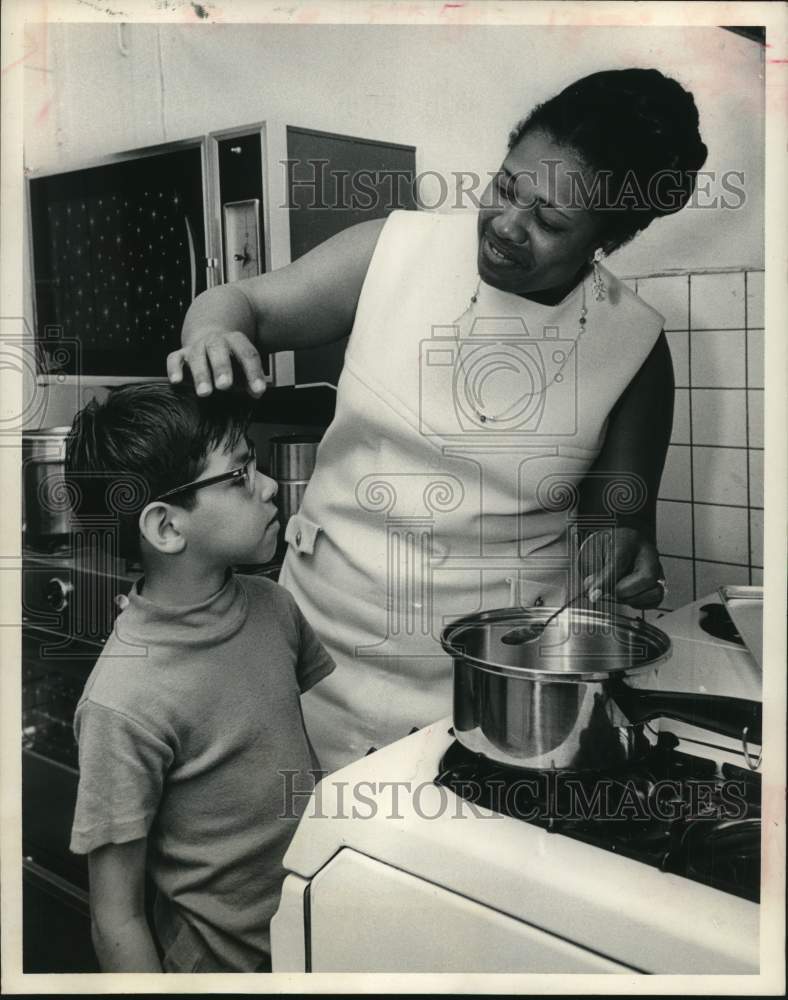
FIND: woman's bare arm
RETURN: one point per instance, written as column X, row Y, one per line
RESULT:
column 636, row 443
column 310, row 302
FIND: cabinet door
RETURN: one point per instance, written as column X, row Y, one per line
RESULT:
column 337, row 181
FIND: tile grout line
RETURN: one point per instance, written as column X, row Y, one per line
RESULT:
column 714, row 562
column 720, row 447
column 681, row 272
column 747, row 426
column 691, row 445
column 709, row 503
column 710, row 329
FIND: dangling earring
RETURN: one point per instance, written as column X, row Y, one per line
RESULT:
column 598, row 284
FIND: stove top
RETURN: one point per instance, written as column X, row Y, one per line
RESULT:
column 675, row 812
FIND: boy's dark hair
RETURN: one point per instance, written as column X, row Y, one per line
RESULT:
column 140, row 442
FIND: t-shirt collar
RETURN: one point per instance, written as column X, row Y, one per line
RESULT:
column 216, row 618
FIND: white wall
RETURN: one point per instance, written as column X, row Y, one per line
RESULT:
column 453, row 92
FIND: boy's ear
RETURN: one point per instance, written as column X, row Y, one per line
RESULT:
column 160, row 528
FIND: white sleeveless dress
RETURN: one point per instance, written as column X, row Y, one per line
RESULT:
column 418, row 510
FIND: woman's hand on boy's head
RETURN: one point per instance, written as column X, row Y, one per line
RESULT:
column 209, row 360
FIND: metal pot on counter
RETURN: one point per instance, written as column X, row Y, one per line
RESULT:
column 292, row 464
column 46, row 499
column 575, row 695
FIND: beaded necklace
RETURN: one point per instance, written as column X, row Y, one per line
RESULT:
column 473, row 397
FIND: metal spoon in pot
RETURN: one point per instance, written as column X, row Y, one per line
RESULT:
column 528, row 633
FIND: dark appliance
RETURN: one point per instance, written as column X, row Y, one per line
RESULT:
column 119, row 252
column 67, row 612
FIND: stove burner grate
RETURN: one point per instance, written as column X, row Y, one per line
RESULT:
column 669, row 810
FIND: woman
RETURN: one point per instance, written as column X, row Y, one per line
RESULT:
column 498, row 391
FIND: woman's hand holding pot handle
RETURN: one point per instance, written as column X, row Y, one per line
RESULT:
column 622, row 562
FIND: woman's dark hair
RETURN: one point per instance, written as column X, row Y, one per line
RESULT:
column 636, row 131
column 140, row 442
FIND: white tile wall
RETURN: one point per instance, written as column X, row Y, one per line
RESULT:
column 721, row 533
column 719, row 417
column 756, row 478
column 709, row 525
column 757, row 577
column 720, row 475
column 681, row 417
column 755, row 417
column 674, row 528
column 709, row 576
column 755, row 301
column 718, row 358
column 755, row 364
column 678, row 574
column 676, row 478
column 717, row 301
column 756, row 537
column 678, row 342
column 669, row 296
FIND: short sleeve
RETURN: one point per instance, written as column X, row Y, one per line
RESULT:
column 121, row 777
column 314, row 663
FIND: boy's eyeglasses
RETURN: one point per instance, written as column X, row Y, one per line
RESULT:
column 245, row 472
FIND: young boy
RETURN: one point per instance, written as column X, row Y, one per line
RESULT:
column 192, row 710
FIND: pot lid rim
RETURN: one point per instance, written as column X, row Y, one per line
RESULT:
column 661, row 645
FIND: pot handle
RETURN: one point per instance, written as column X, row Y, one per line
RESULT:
column 718, row 713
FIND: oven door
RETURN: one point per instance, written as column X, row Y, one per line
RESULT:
column 360, row 915
column 55, row 923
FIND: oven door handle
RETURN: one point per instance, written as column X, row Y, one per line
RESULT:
column 55, row 884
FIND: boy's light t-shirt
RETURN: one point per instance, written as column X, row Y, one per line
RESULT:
column 185, row 727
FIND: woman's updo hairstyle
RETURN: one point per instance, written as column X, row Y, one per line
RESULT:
column 638, row 130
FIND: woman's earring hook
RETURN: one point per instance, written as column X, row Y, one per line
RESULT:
column 598, row 284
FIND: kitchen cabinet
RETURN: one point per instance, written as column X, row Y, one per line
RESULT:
column 118, row 253
column 334, row 182
column 120, row 248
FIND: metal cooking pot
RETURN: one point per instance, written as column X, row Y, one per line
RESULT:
column 46, row 501
column 572, row 696
column 292, row 464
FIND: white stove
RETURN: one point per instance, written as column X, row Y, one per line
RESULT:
column 392, row 872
